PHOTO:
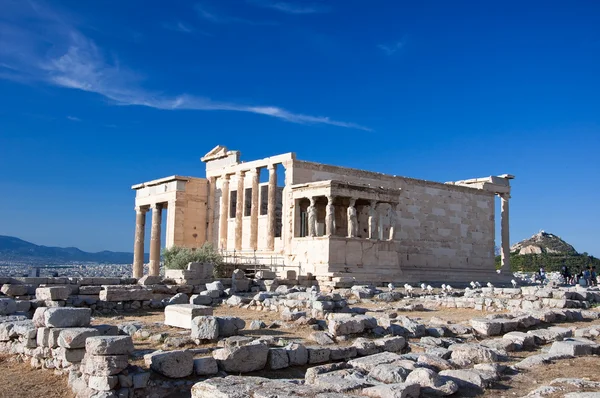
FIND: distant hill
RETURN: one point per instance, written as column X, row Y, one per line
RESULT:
column 549, row 251
column 17, row 251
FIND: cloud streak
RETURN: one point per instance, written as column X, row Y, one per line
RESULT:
column 290, row 7
column 76, row 62
column 73, row 118
column 212, row 16
column 179, row 27
column 391, row 49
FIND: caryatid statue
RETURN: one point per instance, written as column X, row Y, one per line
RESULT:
column 312, row 218
column 330, row 216
column 393, row 221
column 373, row 220
column 352, row 220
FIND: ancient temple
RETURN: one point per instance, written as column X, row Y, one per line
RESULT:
column 331, row 222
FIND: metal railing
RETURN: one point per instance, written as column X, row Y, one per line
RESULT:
column 257, row 262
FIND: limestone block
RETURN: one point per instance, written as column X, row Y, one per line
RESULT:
column 67, row 317
column 103, row 383
column 278, row 358
column 6, row 331
column 75, row 337
column 230, row 325
column 149, row 280
column 572, row 347
column 486, row 327
column 263, row 274
column 391, row 344
column 52, row 293
column 107, row 330
column 342, row 327
column 205, row 328
column 206, row 366
column 198, row 299
column 297, row 354
column 104, row 365
column 53, row 336
column 396, row 390
column 337, row 353
column 8, row 306
column 216, row 285
column 243, row 359
column 365, row 347
column 125, row 381
column 70, row 355
column 125, row 293
column 430, row 383
column 14, row 290
column 317, row 354
column 523, row 339
column 433, row 362
column 140, row 380
column 173, row 364
column 468, row 380
column 109, row 345
column 472, row 353
column 367, row 363
column 181, row 315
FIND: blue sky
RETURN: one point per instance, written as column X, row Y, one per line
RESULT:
column 97, row 96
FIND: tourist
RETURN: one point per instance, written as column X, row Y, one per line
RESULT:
column 593, row 276
column 566, row 274
column 542, row 275
column 586, row 276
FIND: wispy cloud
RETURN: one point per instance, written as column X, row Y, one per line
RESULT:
column 219, row 18
column 391, row 49
column 179, row 27
column 76, row 62
column 289, row 7
column 73, row 118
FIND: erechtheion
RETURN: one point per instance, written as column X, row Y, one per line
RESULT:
column 331, row 222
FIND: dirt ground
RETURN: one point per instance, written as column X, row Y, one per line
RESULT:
column 19, row 379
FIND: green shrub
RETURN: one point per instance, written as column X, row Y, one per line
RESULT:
column 177, row 257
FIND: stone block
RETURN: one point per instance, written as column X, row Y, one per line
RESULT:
column 140, row 380
column 572, row 347
column 23, row 305
column 103, row 383
column 486, row 327
column 264, row 274
column 243, row 359
column 14, row 290
column 75, row 337
column 396, row 390
column 337, row 353
column 109, row 345
column 391, row 344
column 173, row 364
column 52, row 293
column 70, row 355
column 148, row 280
column 317, row 354
column 125, row 293
column 181, row 315
column 8, row 306
column 206, row 366
column 278, row 358
column 230, row 325
column 205, row 328
column 297, row 354
column 67, row 317
column 104, row 365
column 198, row 299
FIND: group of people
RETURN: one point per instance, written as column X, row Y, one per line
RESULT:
column 587, row 276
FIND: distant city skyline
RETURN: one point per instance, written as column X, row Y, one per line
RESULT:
column 99, row 96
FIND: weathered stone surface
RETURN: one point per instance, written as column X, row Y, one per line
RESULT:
column 430, row 383
column 205, row 328
column 321, row 338
column 342, row 327
column 486, row 327
column 67, row 317
column 523, row 339
column 297, row 354
column 539, row 359
column 216, row 285
column 125, row 293
column 243, row 359
column 572, row 347
column 433, row 362
column 278, row 358
column 52, row 293
column 103, row 383
column 317, row 354
column 75, row 337
column 230, row 325
column 109, row 345
column 337, row 353
column 181, row 315
column 389, row 373
column 398, row 390
column 472, row 353
column 206, row 366
column 8, row 306
column 311, row 373
column 341, row 381
column 104, row 365
column 256, row 387
column 13, row 290
column 391, row 344
column 148, row 280
column 367, row 363
column 545, row 336
column 198, row 299
column 179, row 298
column 469, row 380
column 173, row 364
column 365, row 346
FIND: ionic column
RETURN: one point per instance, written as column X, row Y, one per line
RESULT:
column 138, row 247
column 504, row 231
column 211, row 209
column 330, row 217
column 239, row 210
column 271, row 207
column 373, row 233
column 155, row 240
column 254, row 210
column 224, row 212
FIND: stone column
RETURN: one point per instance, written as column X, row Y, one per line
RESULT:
column 138, row 248
column 352, row 219
column 311, row 214
column 504, row 231
column 212, row 187
column 271, row 207
column 224, row 212
column 254, row 210
column 239, row 210
column 155, row 240
column 330, row 217
column 373, row 232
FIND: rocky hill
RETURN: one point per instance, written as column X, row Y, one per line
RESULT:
column 547, row 250
column 543, row 242
column 17, row 251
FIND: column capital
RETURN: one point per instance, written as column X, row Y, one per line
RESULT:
column 271, row 167
column 352, row 202
column 141, row 209
column 212, row 179
column 504, row 196
column 226, row 177
column 241, row 173
column 156, row 206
